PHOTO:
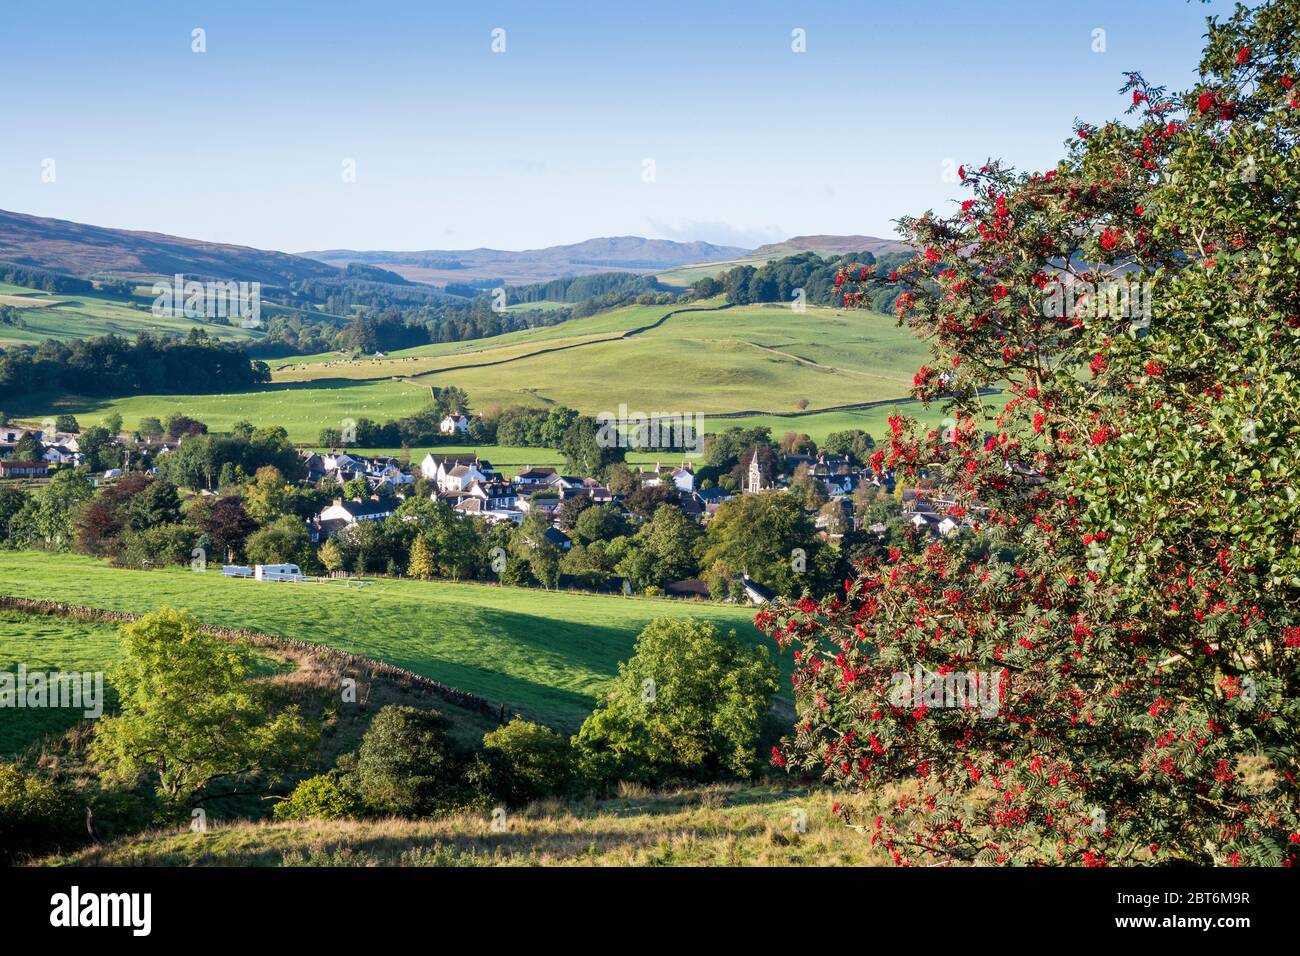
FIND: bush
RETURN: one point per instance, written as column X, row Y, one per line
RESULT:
column 323, row 797
column 690, row 703
column 407, row 764
column 34, row 816
column 538, row 761
column 165, row 544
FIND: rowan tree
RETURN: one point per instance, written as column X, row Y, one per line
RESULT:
column 1134, row 597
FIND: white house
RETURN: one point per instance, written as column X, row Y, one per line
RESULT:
column 454, row 425
column 684, row 479
column 342, row 513
column 460, row 477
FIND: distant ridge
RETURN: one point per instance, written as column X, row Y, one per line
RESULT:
column 77, row 249
column 605, row 254
column 830, row 245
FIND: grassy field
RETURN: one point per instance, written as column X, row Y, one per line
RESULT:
column 64, row 317
column 753, row 358
column 44, row 644
column 544, row 654
column 765, row 359
column 511, row 458
column 719, row 825
column 684, row 276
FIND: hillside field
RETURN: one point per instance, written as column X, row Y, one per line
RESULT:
column 715, row 825
column 764, row 359
column 50, row 315
column 47, row 644
column 544, row 654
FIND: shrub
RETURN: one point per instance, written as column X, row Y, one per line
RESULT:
column 407, row 764
column 161, row 545
column 323, row 797
column 34, row 816
column 538, row 761
column 691, row 703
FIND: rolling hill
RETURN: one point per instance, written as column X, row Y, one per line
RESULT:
column 615, row 254
column 728, row 364
column 829, row 246
column 77, row 249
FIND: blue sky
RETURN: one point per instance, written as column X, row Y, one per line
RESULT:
column 456, row 146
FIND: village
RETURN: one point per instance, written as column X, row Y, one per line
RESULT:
column 842, row 501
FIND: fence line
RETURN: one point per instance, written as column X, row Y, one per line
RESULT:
column 368, row 665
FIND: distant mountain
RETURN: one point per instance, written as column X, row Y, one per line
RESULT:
column 615, row 254
column 830, row 245
column 80, row 250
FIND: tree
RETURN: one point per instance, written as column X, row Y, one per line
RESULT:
column 330, row 556
column 357, row 489
column 690, row 702
column 420, row 565
column 600, row 523
column 530, row 543
column 1130, row 625
column 226, row 524
column 191, row 721
column 151, row 429
column 667, row 540
column 267, row 495
column 538, row 761
column 67, row 423
column 809, row 487
column 586, row 452
column 762, row 536
column 283, row 541
column 853, row 443
column 408, row 764
column 28, row 448
column 178, row 426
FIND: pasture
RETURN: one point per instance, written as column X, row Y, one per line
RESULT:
column 65, row 317
column 44, row 644
column 544, row 654
column 788, row 370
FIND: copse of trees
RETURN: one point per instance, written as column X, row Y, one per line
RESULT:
column 1131, row 631
column 816, row 275
column 582, row 288
column 112, row 365
column 42, row 279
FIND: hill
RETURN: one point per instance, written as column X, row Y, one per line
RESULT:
column 829, row 245
column 78, row 249
column 742, row 365
column 65, row 316
column 544, row 654
column 717, row 825
column 614, row 254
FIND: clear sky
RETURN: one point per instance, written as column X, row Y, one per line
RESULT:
column 456, row 146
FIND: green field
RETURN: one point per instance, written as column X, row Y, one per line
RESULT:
column 49, row 315
column 765, row 359
column 684, row 276
column 544, row 654
column 49, row 644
